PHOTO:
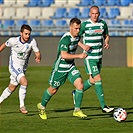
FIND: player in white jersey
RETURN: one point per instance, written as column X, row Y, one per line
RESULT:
column 95, row 35
column 21, row 48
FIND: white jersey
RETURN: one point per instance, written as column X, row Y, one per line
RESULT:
column 20, row 52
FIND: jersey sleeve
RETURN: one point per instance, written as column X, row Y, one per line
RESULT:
column 10, row 42
column 35, row 46
column 106, row 29
column 82, row 29
column 64, row 44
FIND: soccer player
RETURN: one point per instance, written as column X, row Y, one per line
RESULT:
column 64, row 68
column 21, row 48
column 95, row 35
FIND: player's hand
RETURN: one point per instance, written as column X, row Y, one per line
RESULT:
column 82, row 56
column 38, row 60
column 87, row 48
column 106, row 46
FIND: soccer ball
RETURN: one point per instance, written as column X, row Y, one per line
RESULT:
column 120, row 115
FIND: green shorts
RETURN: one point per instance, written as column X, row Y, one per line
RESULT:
column 93, row 66
column 58, row 78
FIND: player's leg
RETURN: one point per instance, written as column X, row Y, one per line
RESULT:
column 96, row 67
column 55, row 81
column 22, row 92
column 7, row 92
column 89, row 82
column 75, row 78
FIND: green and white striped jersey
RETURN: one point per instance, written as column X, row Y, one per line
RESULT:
column 93, row 35
column 69, row 44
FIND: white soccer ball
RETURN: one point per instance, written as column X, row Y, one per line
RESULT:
column 120, row 114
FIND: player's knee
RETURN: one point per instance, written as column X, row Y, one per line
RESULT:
column 80, row 86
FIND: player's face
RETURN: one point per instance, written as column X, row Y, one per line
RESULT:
column 94, row 14
column 25, row 35
column 74, row 29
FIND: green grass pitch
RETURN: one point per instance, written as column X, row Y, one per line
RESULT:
column 118, row 90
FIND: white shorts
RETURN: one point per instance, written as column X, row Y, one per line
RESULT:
column 16, row 73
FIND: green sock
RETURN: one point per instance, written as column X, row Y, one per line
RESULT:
column 87, row 85
column 78, row 98
column 99, row 92
column 46, row 97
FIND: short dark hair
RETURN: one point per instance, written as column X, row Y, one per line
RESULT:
column 94, row 6
column 75, row 20
column 25, row 26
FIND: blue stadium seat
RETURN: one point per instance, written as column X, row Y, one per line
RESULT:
column 73, row 12
column 125, row 2
column 60, row 33
column 48, row 23
column 111, row 2
column 59, row 13
column 112, row 13
column 45, row 3
column 33, row 3
column 61, row 23
column 84, row 13
column 85, row 3
column 103, row 12
column 8, row 24
column 114, row 22
column 35, row 23
column 99, row 2
column 1, row 1
column 19, row 23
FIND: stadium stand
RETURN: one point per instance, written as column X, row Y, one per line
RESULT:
column 8, row 12
column 21, row 12
column 8, row 24
column 59, row 13
column 73, row 12
column 117, row 13
column 85, row 3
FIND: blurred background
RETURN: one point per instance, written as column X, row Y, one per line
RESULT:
column 49, row 20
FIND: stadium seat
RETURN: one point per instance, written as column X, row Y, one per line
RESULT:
column 59, row 13
column 19, row 23
column 113, row 12
column 72, row 3
column 46, row 13
column 73, row 12
column 84, row 14
column 103, row 12
column 125, row 2
column 8, row 12
column 114, row 23
column 9, row 2
column 21, row 13
column 85, row 3
column 45, row 3
column 59, row 3
column 33, row 3
column 61, row 23
column 33, row 13
column 60, row 33
column 125, row 13
column 47, row 23
column 111, row 2
column 35, row 23
column 1, row 1
column 47, row 33
column 21, row 3
column 8, row 24
column 99, row 2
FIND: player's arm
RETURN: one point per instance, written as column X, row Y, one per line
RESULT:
column 84, row 47
column 106, row 42
column 2, row 47
column 38, row 57
column 68, row 56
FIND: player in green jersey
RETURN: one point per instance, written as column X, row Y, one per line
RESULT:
column 95, row 35
column 64, row 68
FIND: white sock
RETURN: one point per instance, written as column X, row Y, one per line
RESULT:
column 22, row 95
column 6, row 93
